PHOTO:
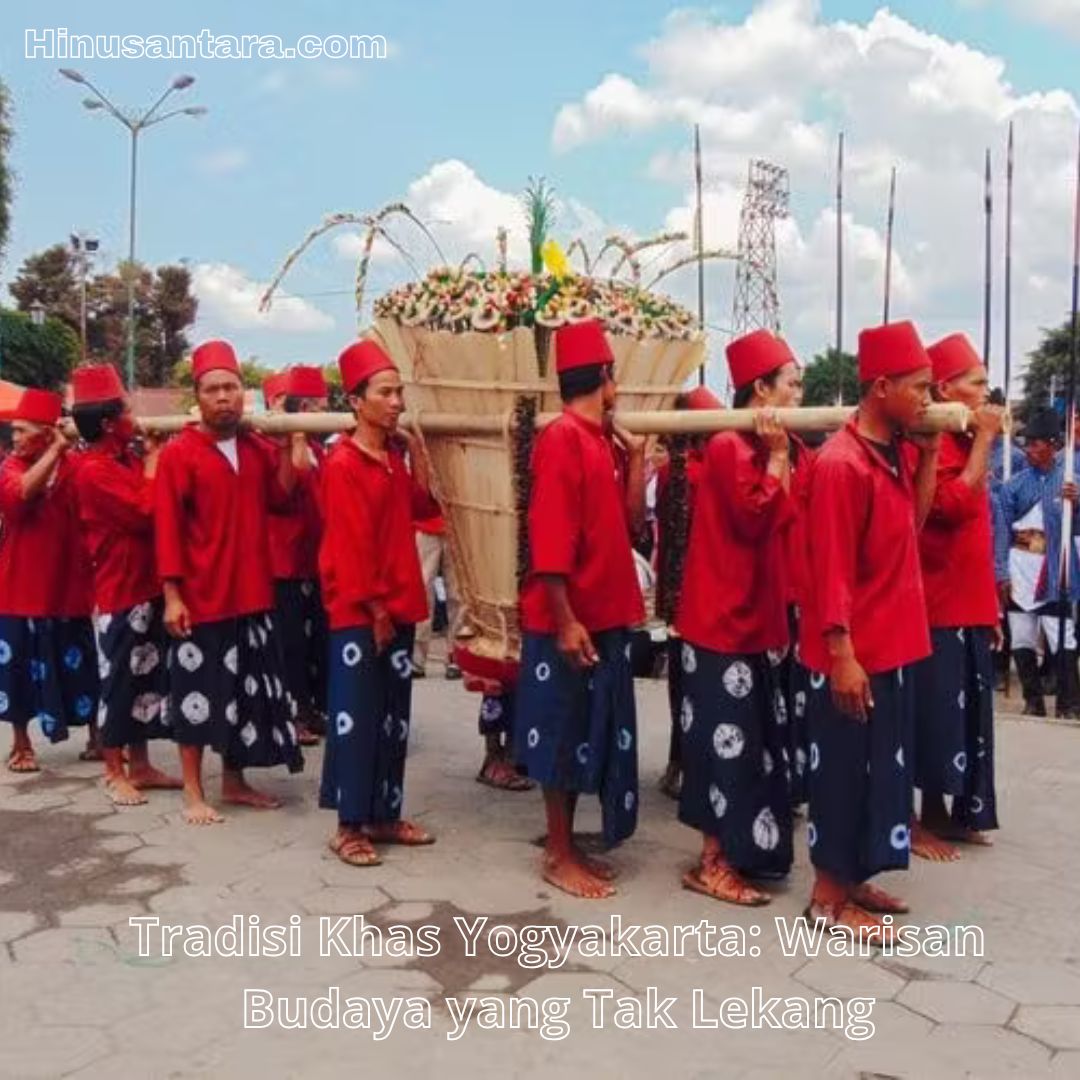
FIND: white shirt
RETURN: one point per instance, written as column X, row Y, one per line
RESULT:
column 232, row 455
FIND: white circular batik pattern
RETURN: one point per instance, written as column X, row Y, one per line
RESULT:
column 491, row 709
column 231, row 713
column 145, row 707
column 582, row 753
column 543, row 671
column 232, row 662
column 900, row 837
column 766, row 762
column 251, row 686
column 811, row 833
column 817, row 680
column 800, row 760
column 900, row 756
column 533, row 738
column 401, row 663
column 248, row 734
column 195, row 708
column 139, row 618
column 960, row 761
column 403, row 730
column 689, row 658
column 351, row 654
column 738, row 680
column 718, row 801
column 765, row 830
column 800, row 704
column 776, row 656
column 4, row 704
column 189, row 656
column 815, row 757
column 628, row 800
column 5, row 653
column 144, row 658
column 686, row 714
column 728, row 741
column 780, row 707
column 961, row 700
column 343, row 722
column 626, row 740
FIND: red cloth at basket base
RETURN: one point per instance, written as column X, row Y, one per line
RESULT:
column 484, row 674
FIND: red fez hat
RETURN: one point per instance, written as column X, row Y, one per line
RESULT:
column 304, row 381
column 273, row 386
column 213, row 356
column 893, row 349
column 37, row 407
column 94, row 383
column 360, row 361
column 755, row 355
column 581, row 344
column 953, row 356
column 701, row 397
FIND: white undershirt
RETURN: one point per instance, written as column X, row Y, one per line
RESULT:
column 228, row 448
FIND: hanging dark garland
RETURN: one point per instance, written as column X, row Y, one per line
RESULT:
column 673, row 522
column 524, row 435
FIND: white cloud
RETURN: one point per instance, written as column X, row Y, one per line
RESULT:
column 1056, row 14
column 781, row 84
column 229, row 299
column 230, row 159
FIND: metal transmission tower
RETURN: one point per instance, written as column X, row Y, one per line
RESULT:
column 757, row 302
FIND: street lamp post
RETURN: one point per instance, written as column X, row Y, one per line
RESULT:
column 83, row 247
column 135, row 124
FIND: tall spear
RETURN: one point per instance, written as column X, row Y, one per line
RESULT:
column 699, row 242
column 1070, row 437
column 840, row 269
column 888, row 242
column 988, row 203
column 1007, row 445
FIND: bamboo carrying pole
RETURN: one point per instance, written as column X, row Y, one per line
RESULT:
column 949, row 417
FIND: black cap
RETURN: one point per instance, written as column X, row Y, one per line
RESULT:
column 1043, row 424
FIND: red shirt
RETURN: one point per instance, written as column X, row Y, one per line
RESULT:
column 734, row 594
column 296, row 529
column 368, row 548
column 796, row 537
column 116, row 514
column 864, row 557
column 956, row 545
column 578, row 529
column 39, row 549
column 212, row 534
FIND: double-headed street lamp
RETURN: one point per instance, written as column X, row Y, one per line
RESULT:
column 135, row 123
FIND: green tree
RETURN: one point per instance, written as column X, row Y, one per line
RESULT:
column 1049, row 360
column 164, row 309
column 828, row 373
column 33, row 355
column 6, row 175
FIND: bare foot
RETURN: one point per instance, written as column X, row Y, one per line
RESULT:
column 871, row 898
column 121, row 791
column 848, row 916
column 600, row 868
column 240, row 793
column 22, row 759
column 928, row 846
column 723, row 882
column 153, row 779
column 199, row 812
column 305, row 736
column 565, row 873
column 498, row 772
column 957, row 834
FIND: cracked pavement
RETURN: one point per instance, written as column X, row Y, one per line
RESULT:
column 79, row 1001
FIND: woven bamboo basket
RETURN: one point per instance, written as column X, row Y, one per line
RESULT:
column 485, row 374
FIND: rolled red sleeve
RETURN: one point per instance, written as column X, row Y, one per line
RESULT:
column 955, row 500
column 170, row 491
column 554, row 508
column 757, row 499
column 837, row 498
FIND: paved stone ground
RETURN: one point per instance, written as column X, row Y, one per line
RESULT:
column 76, row 999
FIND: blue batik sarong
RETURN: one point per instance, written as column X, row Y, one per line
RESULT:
column 860, row 779
column 954, row 727
column 576, row 731
column 369, row 703
column 48, row 673
column 733, row 717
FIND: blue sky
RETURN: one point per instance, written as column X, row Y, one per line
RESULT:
column 481, row 83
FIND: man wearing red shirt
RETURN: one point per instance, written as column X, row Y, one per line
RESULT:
column 47, row 668
column 676, row 488
column 295, row 532
column 863, row 629
column 215, row 486
column 954, row 735
column 733, row 624
column 575, row 729
column 374, row 596
column 115, row 497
